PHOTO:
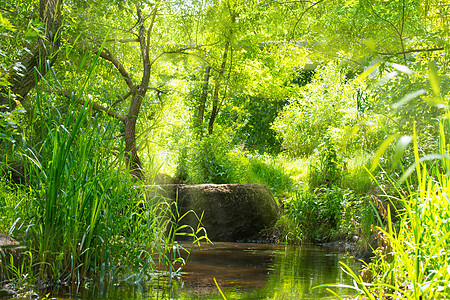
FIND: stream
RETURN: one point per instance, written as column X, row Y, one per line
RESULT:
column 242, row 271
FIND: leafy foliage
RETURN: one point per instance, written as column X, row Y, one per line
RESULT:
column 326, row 106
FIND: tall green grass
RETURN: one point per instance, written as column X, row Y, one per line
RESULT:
column 83, row 216
column 413, row 258
column 80, row 214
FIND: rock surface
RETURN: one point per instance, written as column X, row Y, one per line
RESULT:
column 6, row 293
column 8, row 246
column 231, row 212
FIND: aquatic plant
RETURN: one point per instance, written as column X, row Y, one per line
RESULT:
column 412, row 261
column 80, row 213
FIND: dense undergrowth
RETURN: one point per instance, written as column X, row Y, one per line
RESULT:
column 411, row 260
column 77, row 210
column 68, row 196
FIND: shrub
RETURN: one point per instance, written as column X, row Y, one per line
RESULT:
column 204, row 160
column 329, row 169
column 321, row 106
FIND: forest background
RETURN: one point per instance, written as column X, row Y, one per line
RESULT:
column 328, row 103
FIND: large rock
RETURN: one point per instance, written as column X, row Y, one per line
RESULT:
column 9, row 247
column 231, row 212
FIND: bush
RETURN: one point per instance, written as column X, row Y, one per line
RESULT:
column 205, row 160
column 329, row 169
column 320, row 106
column 214, row 160
column 315, row 213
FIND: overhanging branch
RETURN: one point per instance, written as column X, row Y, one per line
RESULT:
column 109, row 112
column 123, row 40
column 107, row 55
column 412, row 51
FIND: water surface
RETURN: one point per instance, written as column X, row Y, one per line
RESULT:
column 243, row 271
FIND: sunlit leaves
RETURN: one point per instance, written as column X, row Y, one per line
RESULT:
column 408, row 98
column 6, row 24
column 371, row 44
column 368, row 71
column 401, row 68
column 381, row 150
column 435, row 80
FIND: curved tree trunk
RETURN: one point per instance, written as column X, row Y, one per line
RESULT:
column 133, row 160
column 41, row 58
column 215, row 104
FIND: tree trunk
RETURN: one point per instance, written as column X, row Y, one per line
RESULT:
column 215, row 107
column 203, row 97
column 133, row 160
column 41, row 58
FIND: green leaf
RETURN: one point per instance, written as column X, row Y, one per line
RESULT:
column 435, row 80
column 369, row 71
column 218, row 287
column 436, row 101
column 370, row 43
column 400, row 148
column 401, row 68
column 381, row 150
column 408, row 98
column 6, row 24
column 349, row 3
column 429, row 157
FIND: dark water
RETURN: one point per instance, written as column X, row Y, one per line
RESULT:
column 243, row 271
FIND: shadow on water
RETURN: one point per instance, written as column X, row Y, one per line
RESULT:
column 243, row 271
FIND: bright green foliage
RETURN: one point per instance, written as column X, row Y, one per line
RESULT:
column 412, row 262
column 381, row 68
column 329, row 169
column 215, row 160
column 207, row 161
column 321, row 215
column 325, row 107
column 83, row 212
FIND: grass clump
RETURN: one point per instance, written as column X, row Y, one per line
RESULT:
column 322, row 215
column 412, row 258
column 80, row 214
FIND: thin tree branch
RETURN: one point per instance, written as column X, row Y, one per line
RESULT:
column 411, row 51
column 97, row 107
column 401, row 30
column 122, row 98
column 116, row 28
column 150, row 28
column 301, row 16
column 399, row 33
column 182, row 51
column 107, row 55
column 157, row 90
column 8, row 11
column 123, row 41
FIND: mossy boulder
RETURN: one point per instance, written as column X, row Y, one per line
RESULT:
column 9, row 247
column 229, row 212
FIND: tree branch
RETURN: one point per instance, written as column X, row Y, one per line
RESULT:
column 97, row 107
column 116, row 28
column 111, row 58
column 122, row 98
column 150, row 28
column 301, row 16
column 411, row 51
column 123, row 41
column 107, row 55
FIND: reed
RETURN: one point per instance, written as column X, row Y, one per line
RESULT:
column 412, row 261
column 83, row 216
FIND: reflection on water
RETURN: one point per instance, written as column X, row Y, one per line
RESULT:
column 260, row 271
column 243, row 271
